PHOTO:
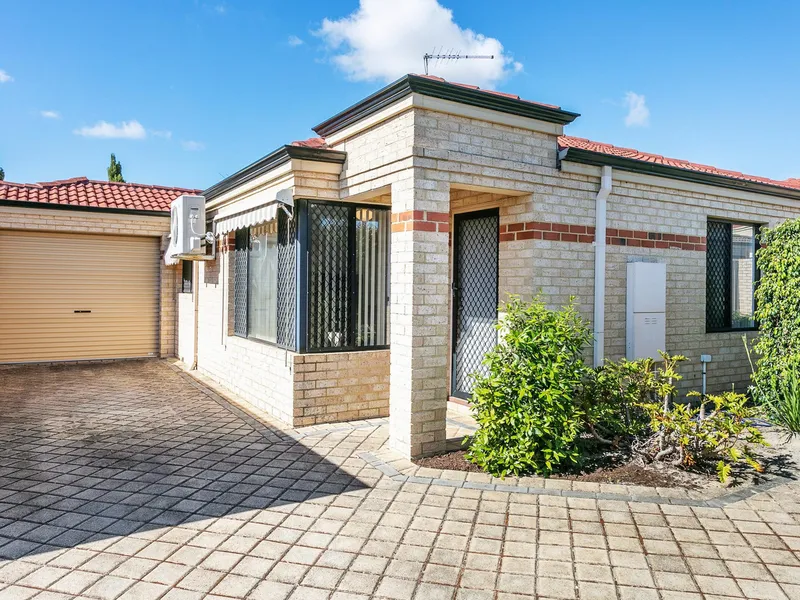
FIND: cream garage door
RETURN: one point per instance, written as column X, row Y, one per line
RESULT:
column 66, row 296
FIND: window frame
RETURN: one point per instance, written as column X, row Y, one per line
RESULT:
column 729, row 289
column 352, row 292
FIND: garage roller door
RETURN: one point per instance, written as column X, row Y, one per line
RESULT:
column 66, row 296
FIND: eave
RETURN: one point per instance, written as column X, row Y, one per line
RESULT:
column 84, row 208
column 446, row 91
column 275, row 159
column 587, row 157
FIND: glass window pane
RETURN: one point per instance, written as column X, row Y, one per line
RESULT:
column 262, row 282
column 187, row 268
column 742, row 276
column 372, row 265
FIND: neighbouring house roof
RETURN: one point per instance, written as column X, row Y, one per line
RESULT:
column 80, row 192
column 437, row 87
column 597, row 153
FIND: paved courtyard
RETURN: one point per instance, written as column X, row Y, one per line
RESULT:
column 130, row 480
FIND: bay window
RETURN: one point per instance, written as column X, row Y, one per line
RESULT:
column 329, row 295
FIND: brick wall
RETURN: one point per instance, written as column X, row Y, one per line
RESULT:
column 297, row 389
column 340, row 386
column 109, row 223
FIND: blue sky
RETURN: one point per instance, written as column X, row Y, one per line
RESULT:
column 187, row 92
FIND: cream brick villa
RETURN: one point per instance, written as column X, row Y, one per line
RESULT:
column 358, row 274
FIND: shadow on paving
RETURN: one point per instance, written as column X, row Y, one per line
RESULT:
column 93, row 451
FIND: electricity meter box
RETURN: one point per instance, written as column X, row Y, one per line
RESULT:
column 646, row 310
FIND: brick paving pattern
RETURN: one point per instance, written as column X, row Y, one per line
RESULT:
column 130, row 480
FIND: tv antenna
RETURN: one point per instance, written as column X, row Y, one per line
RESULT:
column 451, row 56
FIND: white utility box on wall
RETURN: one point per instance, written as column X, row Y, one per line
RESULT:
column 646, row 330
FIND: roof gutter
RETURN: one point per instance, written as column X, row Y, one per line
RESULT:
column 598, row 159
column 80, row 207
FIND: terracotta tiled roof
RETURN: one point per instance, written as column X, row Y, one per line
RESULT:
column 80, row 191
column 566, row 141
column 315, row 142
column 494, row 93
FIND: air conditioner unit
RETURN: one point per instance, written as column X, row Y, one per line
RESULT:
column 188, row 239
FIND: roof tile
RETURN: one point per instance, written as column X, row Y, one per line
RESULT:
column 80, row 191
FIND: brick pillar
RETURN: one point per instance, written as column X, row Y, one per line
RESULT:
column 420, row 301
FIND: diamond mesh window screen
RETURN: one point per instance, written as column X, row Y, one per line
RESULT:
column 240, row 282
column 329, row 281
column 348, row 276
column 718, row 276
column 287, row 281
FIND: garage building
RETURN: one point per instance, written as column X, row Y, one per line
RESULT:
column 81, row 275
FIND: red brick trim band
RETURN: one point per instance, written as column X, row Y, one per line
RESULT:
column 560, row 232
column 420, row 220
column 539, row 230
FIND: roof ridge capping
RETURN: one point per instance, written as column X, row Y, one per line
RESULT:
column 582, row 150
column 64, row 181
column 436, row 87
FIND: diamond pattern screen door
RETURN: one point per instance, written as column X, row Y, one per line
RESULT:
column 475, row 251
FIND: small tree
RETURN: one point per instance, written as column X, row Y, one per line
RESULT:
column 115, row 170
column 525, row 405
column 2, row 174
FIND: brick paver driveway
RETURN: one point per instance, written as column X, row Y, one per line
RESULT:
column 129, row 480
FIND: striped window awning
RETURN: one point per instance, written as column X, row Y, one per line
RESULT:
column 225, row 223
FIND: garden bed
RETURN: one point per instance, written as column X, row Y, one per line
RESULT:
column 617, row 467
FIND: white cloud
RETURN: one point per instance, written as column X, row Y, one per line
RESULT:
column 638, row 113
column 167, row 135
column 384, row 40
column 193, row 146
column 220, row 9
column 295, row 41
column 131, row 130
column 5, row 77
column 50, row 114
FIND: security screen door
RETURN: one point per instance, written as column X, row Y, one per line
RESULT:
column 475, row 251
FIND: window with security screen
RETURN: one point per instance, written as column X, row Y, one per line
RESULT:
column 348, row 275
column 731, row 276
column 264, row 282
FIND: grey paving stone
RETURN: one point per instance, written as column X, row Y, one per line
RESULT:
column 196, row 493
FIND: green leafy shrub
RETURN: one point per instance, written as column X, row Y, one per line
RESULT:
column 778, row 304
column 525, row 405
column 611, row 396
column 687, row 436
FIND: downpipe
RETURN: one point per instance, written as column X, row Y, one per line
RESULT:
column 599, row 318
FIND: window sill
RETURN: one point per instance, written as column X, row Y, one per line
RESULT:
column 263, row 342
column 348, row 349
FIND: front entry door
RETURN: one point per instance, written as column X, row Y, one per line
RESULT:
column 475, row 252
